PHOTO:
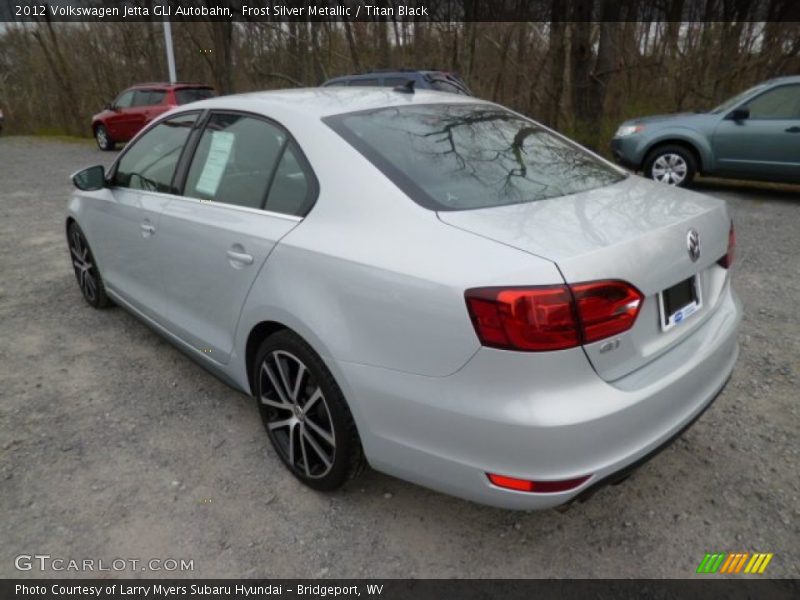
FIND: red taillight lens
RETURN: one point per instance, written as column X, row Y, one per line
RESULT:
column 533, row 319
column 552, row 317
column 539, row 487
column 606, row 308
column 727, row 261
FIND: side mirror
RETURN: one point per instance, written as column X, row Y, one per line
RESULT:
column 739, row 114
column 108, row 106
column 90, row 179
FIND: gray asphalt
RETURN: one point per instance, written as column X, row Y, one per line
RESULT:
column 115, row 445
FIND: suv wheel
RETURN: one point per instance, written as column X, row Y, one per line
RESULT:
column 103, row 139
column 673, row 165
column 305, row 413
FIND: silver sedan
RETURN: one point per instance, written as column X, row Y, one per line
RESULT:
column 428, row 283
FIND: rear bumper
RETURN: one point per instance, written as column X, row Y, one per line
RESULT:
column 541, row 416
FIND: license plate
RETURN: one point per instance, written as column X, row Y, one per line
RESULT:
column 679, row 302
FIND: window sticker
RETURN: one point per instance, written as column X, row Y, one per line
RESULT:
column 216, row 161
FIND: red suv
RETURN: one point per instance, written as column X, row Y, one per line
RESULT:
column 138, row 105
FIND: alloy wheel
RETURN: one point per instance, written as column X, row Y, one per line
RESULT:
column 670, row 169
column 297, row 417
column 83, row 265
column 102, row 137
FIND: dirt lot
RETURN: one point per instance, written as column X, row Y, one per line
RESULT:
column 114, row 444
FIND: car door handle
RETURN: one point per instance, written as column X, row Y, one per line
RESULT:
column 240, row 257
column 147, row 229
column 793, row 130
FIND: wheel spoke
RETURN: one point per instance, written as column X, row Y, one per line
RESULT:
column 282, row 373
column 305, row 459
column 301, row 371
column 314, row 397
column 291, row 444
column 90, row 283
column 315, row 446
column 320, row 431
column 276, row 385
column 279, row 405
column 283, row 423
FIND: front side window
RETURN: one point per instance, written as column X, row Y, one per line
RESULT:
column 149, row 164
column 124, row 100
column 464, row 156
column 780, row 103
column 234, row 160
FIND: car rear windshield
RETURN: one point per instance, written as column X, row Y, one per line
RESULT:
column 463, row 156
column 186, row 95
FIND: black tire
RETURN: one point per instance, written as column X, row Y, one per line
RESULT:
column 85, row 267
column 667, row 162
column 287, row 423
column 103, row 139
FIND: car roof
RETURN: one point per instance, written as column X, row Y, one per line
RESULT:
column 785, row 79
column 165, row 84
column 326, row 101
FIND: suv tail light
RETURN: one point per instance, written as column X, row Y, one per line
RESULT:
column 727, row 261
column 554, row 317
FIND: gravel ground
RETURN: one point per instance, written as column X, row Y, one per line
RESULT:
column 114, row 444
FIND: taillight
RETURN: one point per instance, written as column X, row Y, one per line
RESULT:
column 727, row 261
column 606, row 308
column 533, row 318
column 553, row 317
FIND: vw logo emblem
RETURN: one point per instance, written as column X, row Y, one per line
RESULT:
column 693, row 244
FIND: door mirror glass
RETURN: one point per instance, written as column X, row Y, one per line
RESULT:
column 88, row 180
column 740, row 114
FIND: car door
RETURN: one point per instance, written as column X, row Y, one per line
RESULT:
column 247, row 185
column 118, row 123
column 766, row 144
column 126, row 229
column 156, row 105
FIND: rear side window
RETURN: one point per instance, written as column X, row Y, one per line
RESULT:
column 148, row 97
column 463, row 156
column 149, row 164
column 291, row 192
column 157, row 97
column 365, row 82
column 395, row 81
column 234, row 160
column 186, row 95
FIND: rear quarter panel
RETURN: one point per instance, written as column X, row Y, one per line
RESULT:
column 370, row 277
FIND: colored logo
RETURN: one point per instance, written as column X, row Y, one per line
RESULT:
column 736, row 562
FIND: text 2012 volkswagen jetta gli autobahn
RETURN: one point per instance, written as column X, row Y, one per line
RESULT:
column 426, row 282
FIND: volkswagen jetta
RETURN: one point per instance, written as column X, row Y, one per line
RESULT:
column 426, row 282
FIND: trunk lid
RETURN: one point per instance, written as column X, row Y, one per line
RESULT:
column 634, row 230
